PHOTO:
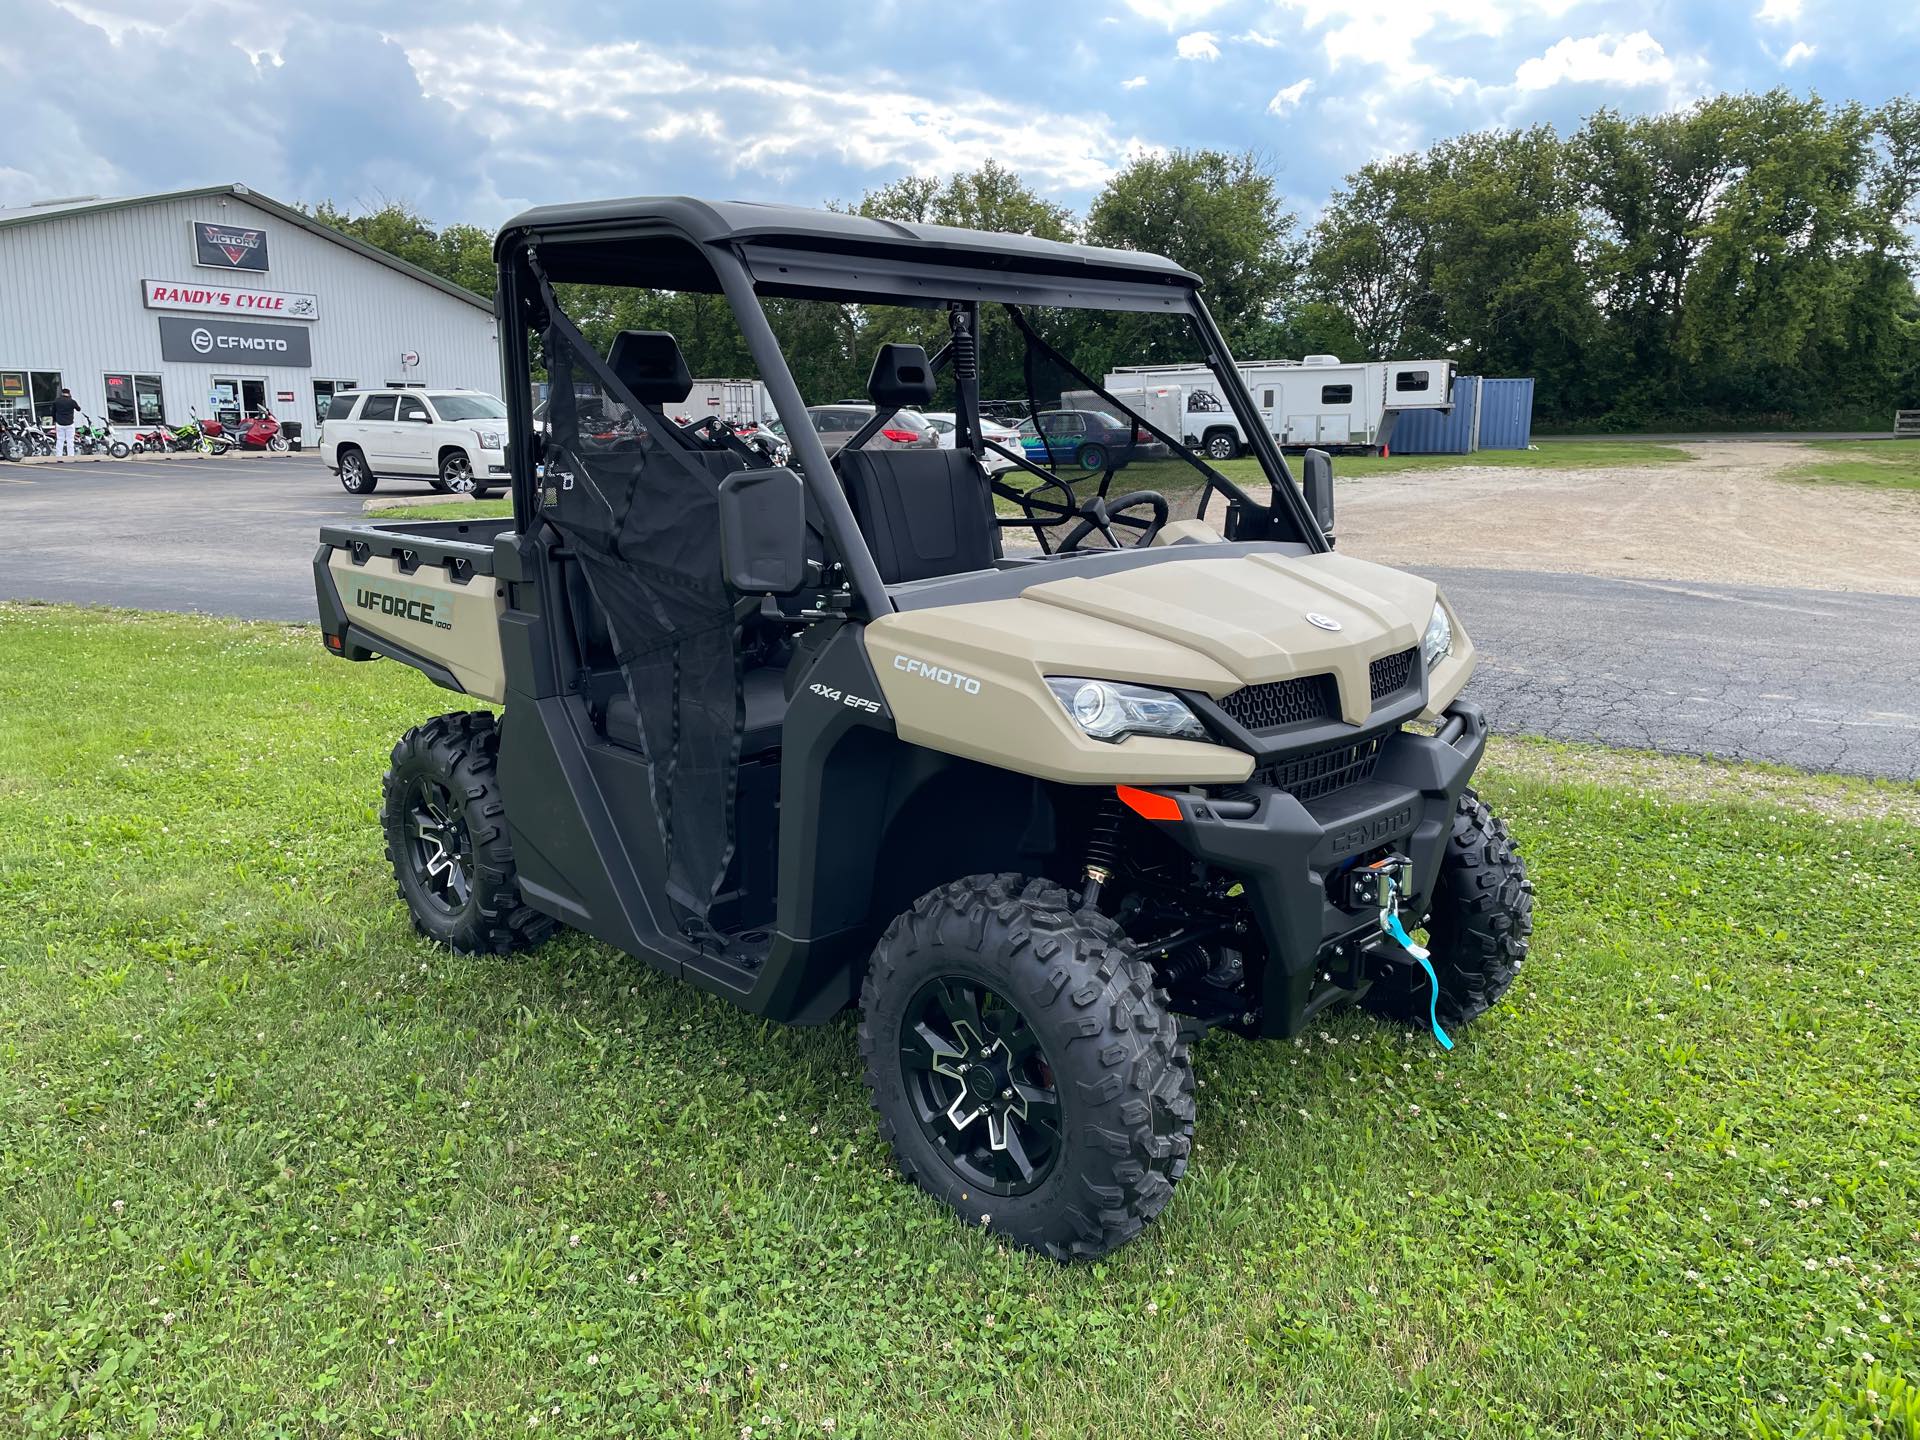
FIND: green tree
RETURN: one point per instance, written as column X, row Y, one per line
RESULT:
column 462, row 254
column 1216, row 214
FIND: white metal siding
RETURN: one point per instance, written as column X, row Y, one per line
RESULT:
column 71, row 300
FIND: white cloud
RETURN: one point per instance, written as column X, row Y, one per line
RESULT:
column 1134, row 84
column 1288, row 98
column 1200, row 45
column 777, row 126
column 1777, row 12
column 1635, row 59
column 1797, row 52
column 1260, row 38
column 1173, row 13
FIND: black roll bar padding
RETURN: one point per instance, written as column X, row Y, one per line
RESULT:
column 963, row 324
column 1214, row 478
column 843, row 531
column 1261, row 438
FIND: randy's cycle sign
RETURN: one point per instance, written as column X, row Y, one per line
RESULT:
column 230, row 300
column 227, row 247
column 184, row 338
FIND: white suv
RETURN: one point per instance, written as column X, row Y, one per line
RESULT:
column 455, row 440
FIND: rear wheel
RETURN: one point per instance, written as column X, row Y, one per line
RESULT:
column 1092, row 457
column 1221, row 445
column 1477, row 928
column 1025, row 1068
column 447, row 838
column 356, row 478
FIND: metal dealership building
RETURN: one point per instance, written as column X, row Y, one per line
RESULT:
column 219, row 301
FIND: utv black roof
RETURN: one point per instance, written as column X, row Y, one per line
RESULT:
column 762, row 232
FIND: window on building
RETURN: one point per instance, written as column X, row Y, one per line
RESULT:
column 323, row 393
column 1410, row 380
column 119, row 388
column 14, row 395
column 45, row 385
column 378, row 407
column 150, row 400
column 1336, row 394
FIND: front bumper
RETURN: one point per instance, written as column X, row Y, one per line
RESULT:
column 1283, row 850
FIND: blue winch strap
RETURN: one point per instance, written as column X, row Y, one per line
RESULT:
column 1390, row 922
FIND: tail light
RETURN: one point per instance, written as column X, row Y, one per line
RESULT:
column 1140, row 435
column 901, row 437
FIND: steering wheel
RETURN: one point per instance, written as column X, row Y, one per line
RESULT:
column 1103, row 514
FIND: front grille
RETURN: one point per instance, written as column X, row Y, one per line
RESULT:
column 1284, row 702
column 1321, row 772
column 1391, row 673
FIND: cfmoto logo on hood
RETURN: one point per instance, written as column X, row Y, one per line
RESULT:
column 1325, row 622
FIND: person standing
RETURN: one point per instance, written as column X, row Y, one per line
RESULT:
column 64, row 409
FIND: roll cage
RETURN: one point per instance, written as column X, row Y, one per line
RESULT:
column 749, row 252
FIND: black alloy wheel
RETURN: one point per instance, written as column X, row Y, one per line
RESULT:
column 440, row 847
column 980, row 1085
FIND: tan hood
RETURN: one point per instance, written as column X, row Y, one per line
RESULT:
column 1213, row 624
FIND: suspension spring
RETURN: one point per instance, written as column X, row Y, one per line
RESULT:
column 966, row 345
column 1103, row 849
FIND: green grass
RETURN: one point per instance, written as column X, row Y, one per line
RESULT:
column 1885, row 464
column 452, row 510
column 272, row 1165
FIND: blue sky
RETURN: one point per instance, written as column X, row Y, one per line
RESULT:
column 472, row 112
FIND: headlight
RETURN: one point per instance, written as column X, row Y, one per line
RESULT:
column 1437, row 643
column 1108, row 710
column 491, row 439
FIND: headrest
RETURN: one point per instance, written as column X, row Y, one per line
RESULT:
column 901, row 378
column 649, row 363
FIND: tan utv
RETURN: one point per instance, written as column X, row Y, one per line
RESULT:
column 1042, row 779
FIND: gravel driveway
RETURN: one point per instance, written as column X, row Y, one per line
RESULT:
column 1729, row 516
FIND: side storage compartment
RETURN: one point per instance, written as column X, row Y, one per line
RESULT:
column 420, row 593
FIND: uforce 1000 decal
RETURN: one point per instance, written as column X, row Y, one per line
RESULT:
column 411, row 603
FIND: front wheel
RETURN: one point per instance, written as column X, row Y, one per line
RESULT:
column 356, row 477
column 277, row 444
column 456, row 473
column 1025, row 1068
column 119, row 450
column 446, row 830
column 1477, row 927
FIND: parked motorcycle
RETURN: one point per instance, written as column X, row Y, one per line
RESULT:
column 209, row 437
column 92, row 439
column 20, row 437
column 263, row 432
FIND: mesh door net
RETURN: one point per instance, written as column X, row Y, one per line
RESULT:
column 643, row 519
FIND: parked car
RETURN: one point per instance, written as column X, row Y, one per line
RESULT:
column 946, row 426
column 837, row 424
column 455, row 440
column 1089, row 439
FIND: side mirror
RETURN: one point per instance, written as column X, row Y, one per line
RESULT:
column 1316, row 479
column 763, row 531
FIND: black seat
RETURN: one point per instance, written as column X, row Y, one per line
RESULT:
column 764, row 698
column 925, row 513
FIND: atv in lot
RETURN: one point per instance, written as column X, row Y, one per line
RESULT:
column 1044, row 780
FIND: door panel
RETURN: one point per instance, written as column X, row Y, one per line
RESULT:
column 414, row 447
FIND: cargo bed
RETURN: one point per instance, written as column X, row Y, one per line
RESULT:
column 422, row 592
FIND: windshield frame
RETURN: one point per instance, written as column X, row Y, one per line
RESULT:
column 655, row 252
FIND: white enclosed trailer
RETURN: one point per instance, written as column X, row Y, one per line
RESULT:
column 743, row 400
column 1320, row 401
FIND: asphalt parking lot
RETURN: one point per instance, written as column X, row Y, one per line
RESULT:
column 1818, row 679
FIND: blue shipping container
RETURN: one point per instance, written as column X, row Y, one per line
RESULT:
column 1506, row 414
column 1439, row 432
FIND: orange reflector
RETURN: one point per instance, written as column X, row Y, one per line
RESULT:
column 334, row 642
column 1148, row 804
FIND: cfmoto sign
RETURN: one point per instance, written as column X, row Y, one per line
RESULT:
column 278, row 346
